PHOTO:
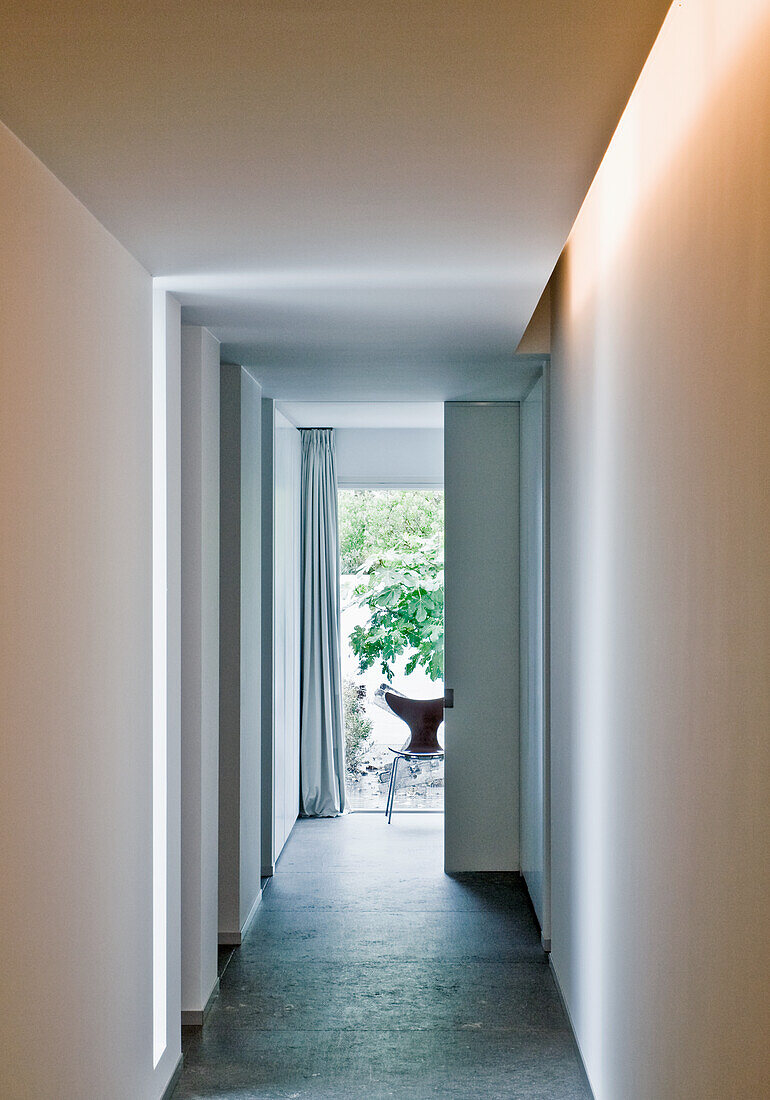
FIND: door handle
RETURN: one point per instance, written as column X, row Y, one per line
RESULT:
column 449, row 698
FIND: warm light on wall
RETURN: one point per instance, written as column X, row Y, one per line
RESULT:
column 692, row 56
column 159, row 679
column 626, row 237
column 593, row 713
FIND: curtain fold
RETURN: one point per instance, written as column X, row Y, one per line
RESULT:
column 322, row 744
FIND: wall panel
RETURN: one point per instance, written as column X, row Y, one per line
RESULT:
column 660, row 582
column 281, row 459
column 75, row 651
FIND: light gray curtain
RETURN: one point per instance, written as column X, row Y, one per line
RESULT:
column 322, row 743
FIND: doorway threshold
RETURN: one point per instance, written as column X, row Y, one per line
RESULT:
column 396, row 812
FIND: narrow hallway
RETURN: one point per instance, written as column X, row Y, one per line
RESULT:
column 368, row 973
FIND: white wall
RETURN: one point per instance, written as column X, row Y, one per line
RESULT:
column 482, row 636
column 533, row 809
column 173, row 365
column 200, row 666
column 75, row 651
column 268, row 646
column 660, row 581
column 287, row 545
column 240, row 641
column 281, row 462
column 251, row 646
column 391, row 457
column 230, row 652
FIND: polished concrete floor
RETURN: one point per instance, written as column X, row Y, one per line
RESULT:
column 368, row 974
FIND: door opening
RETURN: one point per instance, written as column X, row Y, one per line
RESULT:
column 392, row 596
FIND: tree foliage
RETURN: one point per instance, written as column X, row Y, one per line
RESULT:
column 371, row 522
column 403, row 589
column 358, row 728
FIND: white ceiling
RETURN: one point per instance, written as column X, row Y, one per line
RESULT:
column 379, row 186
column 364, row 414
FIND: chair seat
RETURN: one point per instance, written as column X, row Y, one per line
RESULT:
column 408, row 754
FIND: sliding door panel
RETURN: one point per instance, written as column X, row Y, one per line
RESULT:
column 481, row 472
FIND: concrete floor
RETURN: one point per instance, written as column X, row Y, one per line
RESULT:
column 369, row 974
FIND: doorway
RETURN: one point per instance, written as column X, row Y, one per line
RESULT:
column 392, row 617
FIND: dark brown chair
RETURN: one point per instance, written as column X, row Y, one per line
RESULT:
column 423, row 717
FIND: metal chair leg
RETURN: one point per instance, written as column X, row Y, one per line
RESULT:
column 393, row 775
column 390, row 789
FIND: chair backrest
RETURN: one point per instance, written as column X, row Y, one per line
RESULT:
column 422, row 716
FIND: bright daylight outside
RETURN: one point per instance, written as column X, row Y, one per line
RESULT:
column 392, row 565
